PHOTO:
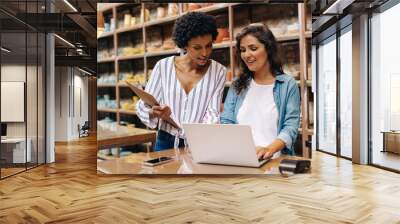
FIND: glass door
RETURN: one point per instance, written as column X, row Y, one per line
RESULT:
column 385, row 89
column 326, row 96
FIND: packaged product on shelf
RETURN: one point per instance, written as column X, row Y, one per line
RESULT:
column 161, row 12
column 146, row 15
column 311, row 113
column 185, row 7
column 223, row 35
column 107, row 79
column 105, row 102
column 277, row 26
column 134, row 21
column 168, row 43
column 173, row 9
column 194, row 6
column 154, row 40
column 127, row 20
column 138, row 78
column 153, row 14
column 129, row 51
column 292, row 69
column 129, row 104
column 106, row 27
column 135, row 99
column 112, row 24
column 229, row 75
column 130, row 45
column 308, row 22
column 107, row 123
column 292, row 26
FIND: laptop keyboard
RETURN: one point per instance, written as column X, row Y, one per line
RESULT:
column 262, row 160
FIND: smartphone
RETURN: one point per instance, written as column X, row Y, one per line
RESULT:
column 157, row 161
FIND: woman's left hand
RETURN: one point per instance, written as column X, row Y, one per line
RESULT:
column 264, row 152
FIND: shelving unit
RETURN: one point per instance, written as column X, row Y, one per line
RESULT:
column 295, row 42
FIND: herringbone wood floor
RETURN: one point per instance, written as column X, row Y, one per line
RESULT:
column 70, row 191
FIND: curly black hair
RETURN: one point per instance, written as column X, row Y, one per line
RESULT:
column 266, row 37
column 192, row 25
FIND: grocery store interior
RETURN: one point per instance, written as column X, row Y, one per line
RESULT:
column 68, row 119
column 133, row 37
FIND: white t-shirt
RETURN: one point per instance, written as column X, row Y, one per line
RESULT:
column 259, row 111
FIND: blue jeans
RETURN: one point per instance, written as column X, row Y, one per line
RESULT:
column 166, row 141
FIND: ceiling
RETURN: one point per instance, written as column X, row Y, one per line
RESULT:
column 20, row 17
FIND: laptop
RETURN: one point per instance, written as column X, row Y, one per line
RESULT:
column 223, row 144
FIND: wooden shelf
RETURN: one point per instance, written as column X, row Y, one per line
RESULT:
column 130, row 57
column 129, row 29
column 161, row 21
column 109, row 6
column 106, row 85
column 298, row 40
column 212, row 8
column 105, row 60
column 106, row 34
column 162, row 52
column 109, row 110
column 123, row 84
column 288, row 37
column 308, row 82
column 132, row 112
column 225, row 44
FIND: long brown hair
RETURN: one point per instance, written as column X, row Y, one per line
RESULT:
column 266, row 37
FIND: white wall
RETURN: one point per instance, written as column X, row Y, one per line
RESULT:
column 14, row 73
column 61, row 103
column 71, row 102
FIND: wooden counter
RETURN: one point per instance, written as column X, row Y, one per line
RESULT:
column 182, row 164
column 123, row 136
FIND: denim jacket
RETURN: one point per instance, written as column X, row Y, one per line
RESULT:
column 287, row 100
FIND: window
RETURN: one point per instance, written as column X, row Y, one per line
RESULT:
column 385, row 88
column 346, row 92
column 326, row 99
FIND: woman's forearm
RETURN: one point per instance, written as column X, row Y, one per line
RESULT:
column 276, row 146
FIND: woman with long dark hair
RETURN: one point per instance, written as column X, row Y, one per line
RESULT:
column 263, row 96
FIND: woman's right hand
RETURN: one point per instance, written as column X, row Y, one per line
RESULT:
column 162, row 112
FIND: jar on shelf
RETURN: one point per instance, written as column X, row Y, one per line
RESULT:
column 173, row 9
column 127, row 20
column 112, row 24
column 161, row 13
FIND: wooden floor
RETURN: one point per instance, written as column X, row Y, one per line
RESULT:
column 70, row 191
column 386, row 159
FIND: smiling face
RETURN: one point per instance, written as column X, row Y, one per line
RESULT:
column 199, row 49
column 253, row 54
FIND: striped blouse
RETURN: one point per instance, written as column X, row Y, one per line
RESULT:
column 201, row 105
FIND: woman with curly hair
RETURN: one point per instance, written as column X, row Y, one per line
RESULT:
column 188, row 87
column 263, row 96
